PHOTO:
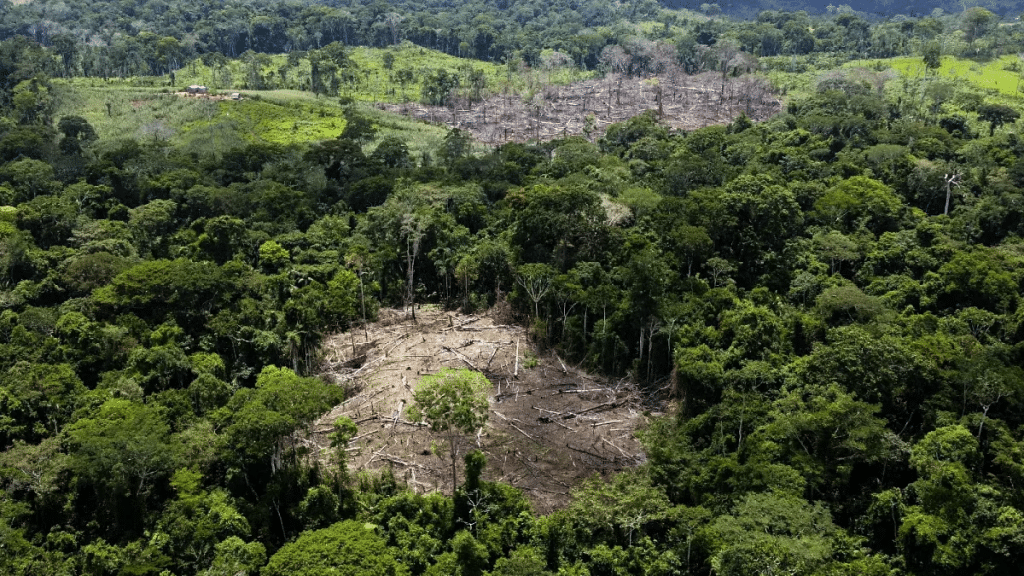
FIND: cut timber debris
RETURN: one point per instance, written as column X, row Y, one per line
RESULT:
column 683, row 101
column 515, row 373
column 462, row 357
column 544, row 446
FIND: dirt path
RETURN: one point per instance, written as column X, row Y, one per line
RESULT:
column 550, row 425
column 215, row 97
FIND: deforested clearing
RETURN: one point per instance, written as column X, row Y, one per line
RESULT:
column 550, row 424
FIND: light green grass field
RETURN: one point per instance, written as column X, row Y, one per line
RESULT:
column 369, row 80
column 117, row 110
column 381, row 84
column 147, row 108
column 144, row 108
column 998, row 75
column 209, row 126
column 1004, row 76
column 279, row 123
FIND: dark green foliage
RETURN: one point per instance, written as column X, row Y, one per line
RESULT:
column 932, row 55
column 438, row 87
column 198, row 522
column 39, row 400
column 350, row 548
column 771, row 531
column 159, row 286
column 369, row 192
column 122, row 450
column 358, row 128
column 392, row 153
column 456, row 145
column 844, row 359
column 77, row 132
column 997, row 115
column 554, row 222
column 619, row 137
column 281, row 402
column 342, row 160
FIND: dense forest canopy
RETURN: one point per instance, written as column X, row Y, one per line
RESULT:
column 107, row 38
column 829, row 301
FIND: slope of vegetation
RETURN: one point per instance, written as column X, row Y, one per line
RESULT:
column 209, row 125
column 1003, row 74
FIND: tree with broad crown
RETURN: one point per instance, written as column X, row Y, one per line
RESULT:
column 122, row 448
column 456, row 144
column 452, row 402
column 348, row 548
column 996, row 115
column 358, row 128
column 932, row 55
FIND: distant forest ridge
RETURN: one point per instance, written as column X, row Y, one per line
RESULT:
column 490, row 31
column 878, row 8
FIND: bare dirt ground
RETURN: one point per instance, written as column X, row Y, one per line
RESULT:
column 550, row 425
column 548, row 111
column 216, row 97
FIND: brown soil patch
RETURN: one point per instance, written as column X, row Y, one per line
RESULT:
column 549, row 111
column 204, row 96
column 550, row 425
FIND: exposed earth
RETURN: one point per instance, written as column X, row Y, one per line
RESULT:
column 588, row 107
column 550, row 424
column 207, row 96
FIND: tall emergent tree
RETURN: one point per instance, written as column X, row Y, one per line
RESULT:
column 453, row 402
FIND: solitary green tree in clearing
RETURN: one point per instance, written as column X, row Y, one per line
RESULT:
column 344, row 431
column 453, row 402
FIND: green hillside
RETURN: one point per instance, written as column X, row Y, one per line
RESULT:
column 285, row 111
column 1004, row 75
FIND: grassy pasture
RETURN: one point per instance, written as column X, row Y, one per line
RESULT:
column 407, row 56
column 369, row 80
column 119, row 110
column 209, row 125
column 1003, row 75
column 960, row 83
column 286, row 113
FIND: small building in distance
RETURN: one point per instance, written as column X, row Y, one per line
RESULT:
column 197, row 89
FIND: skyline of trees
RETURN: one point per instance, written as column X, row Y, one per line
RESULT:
column 153, row 38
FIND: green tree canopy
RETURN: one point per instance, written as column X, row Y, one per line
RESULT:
column 453, row 402
column 122, row 443
column 348, row 548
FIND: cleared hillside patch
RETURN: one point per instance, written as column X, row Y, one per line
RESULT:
column 588, row 107
column 550, row 424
